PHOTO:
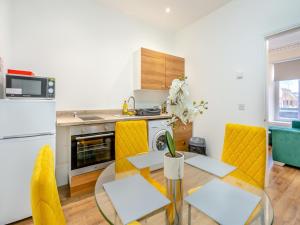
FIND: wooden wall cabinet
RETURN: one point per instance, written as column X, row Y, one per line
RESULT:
column 153, row 66
column 182, row 134
column 174, row 69
column 156, row 70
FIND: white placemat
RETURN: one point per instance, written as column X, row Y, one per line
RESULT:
column 210, row 165
column 133, row 198
column 149, row 159
column 226, row 204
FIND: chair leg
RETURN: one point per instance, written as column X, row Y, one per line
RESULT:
column 262, row 217
column 189, row 214
column 116, row 217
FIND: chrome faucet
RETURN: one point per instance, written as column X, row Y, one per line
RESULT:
column 133, row 99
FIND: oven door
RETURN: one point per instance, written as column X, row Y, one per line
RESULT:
column 23, row 86
column 92, row 149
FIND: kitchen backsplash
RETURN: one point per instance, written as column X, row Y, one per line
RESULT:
column 150, row 98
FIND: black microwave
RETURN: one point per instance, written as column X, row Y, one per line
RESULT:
column 29, row 87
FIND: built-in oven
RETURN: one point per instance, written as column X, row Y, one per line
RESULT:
column 92, row 147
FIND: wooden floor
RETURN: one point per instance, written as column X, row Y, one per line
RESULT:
column 283, row 189
column 284, row 192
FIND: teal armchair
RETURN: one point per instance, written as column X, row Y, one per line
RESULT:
column 286, row 144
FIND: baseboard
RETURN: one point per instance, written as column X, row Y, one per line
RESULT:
column 278, row 163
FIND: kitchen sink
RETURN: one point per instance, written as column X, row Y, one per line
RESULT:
column 89, row 117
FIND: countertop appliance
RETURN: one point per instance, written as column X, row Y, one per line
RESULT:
column 148, row 111
column 18, row 86
column 25, row 126
column 92, row 147
column 157, row 130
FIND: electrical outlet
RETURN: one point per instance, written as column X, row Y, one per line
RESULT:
column 239, row 75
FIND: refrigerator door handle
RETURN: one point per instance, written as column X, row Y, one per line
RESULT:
column 26, row 136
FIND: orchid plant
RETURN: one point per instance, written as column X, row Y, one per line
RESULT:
column 181, row 108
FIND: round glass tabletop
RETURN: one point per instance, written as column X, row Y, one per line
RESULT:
column 193, row 178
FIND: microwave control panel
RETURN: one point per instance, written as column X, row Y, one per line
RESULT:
column 51, row 88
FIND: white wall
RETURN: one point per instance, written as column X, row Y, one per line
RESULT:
column 4, row 41
column 227, row 41
column 4, row 32
column 88, row 49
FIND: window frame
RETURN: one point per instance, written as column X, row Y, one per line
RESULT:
column 276, row 103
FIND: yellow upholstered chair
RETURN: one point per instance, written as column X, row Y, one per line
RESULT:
column 131, row 139
column 45, row 203
column 245, row 148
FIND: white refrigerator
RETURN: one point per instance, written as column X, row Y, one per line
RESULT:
column 25, row 126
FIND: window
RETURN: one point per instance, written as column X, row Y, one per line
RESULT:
column 287, row 100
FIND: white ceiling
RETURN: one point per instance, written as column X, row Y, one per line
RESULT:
column 285, row 39
column 182, row 12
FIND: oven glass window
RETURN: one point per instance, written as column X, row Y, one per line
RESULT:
column 29, row 87
column 93, row 151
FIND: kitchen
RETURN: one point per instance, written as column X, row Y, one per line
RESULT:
column 71, row 70
column 85, row 139
column 71, row 124
column 66, row 52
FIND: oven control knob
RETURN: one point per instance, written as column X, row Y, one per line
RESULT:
column 50, row 84
column 50, row 90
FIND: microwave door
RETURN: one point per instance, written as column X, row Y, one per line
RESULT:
column 22, row 86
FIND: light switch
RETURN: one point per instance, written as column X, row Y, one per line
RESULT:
column 239, row 75
column 242, row 107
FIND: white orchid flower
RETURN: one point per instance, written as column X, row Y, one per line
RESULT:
column 179, row 105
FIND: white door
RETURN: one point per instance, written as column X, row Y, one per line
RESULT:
column 17, row 161
column 26, row 117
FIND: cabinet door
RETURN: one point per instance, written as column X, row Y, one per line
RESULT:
column 174, row 69
column 182, row 134
column 153, row 69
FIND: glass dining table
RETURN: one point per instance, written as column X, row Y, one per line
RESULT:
column 193, row 178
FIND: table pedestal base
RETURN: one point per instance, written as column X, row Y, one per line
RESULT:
column 175, row 194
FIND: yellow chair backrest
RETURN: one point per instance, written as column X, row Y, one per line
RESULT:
column 130, row 139
column 245, row 148
column 45, row 204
